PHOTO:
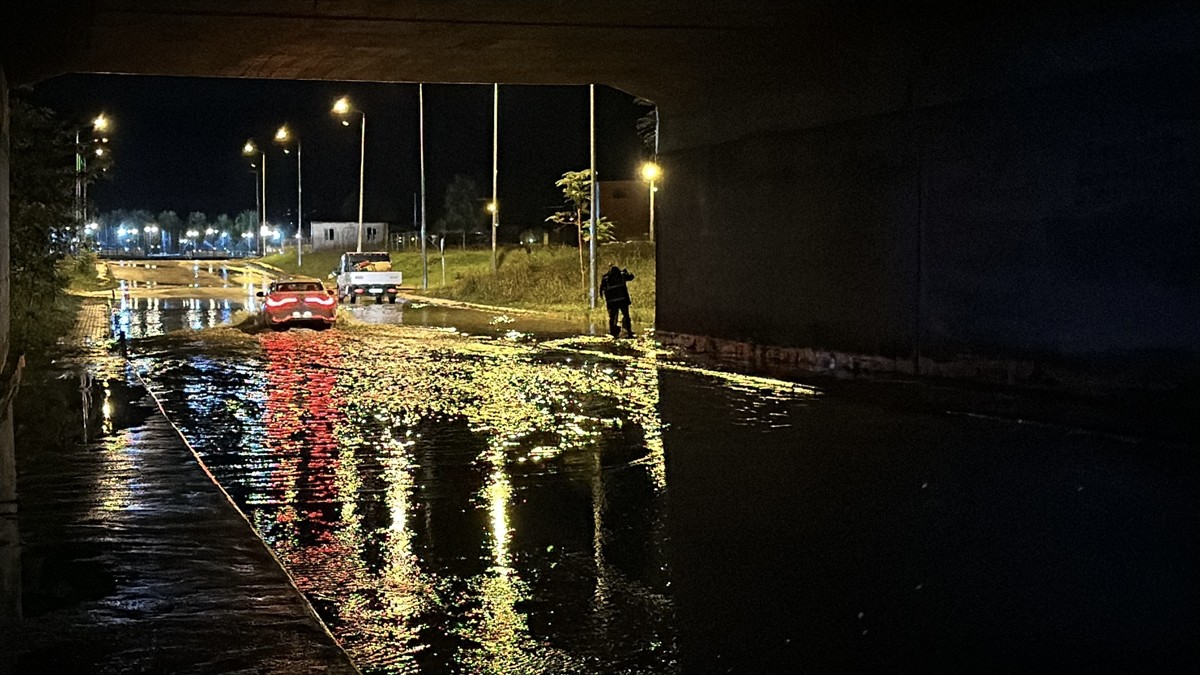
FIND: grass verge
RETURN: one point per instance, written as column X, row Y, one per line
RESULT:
column 545, row 279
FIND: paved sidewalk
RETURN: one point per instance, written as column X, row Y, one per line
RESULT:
column 133, row 559
column 92, row 325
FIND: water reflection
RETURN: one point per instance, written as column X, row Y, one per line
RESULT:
column 448, row 503
column 139, row 317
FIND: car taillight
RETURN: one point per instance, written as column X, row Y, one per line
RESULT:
column 279, row 302
column 323, row 300
column 391, row 290
column 358, row 290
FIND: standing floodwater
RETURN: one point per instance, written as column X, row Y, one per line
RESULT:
column 502, row 504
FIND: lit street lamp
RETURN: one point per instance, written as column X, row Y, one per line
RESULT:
column 342, row 107
column 650, row 173
column 283, row 135
column 147, row 231
column 250, row 149
column 100, row 124
column 493, row 207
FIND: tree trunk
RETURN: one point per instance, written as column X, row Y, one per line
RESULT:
column 579, row 245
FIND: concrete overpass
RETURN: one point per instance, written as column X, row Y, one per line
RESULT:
column 928, row 187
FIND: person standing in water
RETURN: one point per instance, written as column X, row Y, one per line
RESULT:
column 616, row 297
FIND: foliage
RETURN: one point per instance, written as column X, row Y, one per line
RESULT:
column 168, row 221
column 42, row 200
column 197, row 221
column 647, row 125
column 577, row 194
column 461, row 210
column 246, row 221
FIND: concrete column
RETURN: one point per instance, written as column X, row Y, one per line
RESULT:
column 10, row 542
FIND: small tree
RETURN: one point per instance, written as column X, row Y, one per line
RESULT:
column 577, row 191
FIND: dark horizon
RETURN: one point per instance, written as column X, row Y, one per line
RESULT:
column 177, row 142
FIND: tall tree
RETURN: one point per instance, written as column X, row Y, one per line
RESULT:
column 245, row 222
column 197, row 221
column 461, row 207
column 223, row 226
column 42, row 187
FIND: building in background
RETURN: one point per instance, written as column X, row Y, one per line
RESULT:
column 343, row 236
column 627, row 204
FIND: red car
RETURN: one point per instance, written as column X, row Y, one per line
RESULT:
column 298, row 302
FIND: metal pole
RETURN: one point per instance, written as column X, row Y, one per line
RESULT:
column 362, row 167
column 299, row 208
column 262, row 237
column 78, row 178
column 595, row 197
column 424, row 260
column 495, row 154
column 257, row 211
column 651, row 210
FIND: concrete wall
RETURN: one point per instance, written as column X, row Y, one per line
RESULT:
column 10, row 540
column 1012, row 191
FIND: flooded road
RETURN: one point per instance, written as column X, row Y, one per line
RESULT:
column 481, row 494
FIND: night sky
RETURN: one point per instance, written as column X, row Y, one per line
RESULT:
column 177, row 143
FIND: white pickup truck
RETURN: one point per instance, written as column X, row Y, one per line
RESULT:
column 367, row 273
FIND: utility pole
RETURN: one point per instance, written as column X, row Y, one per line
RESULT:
column 495, row 207
column 299, row 208
column 595, row 198
column 424, row 260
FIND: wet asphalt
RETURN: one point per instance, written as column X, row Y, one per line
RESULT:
column 457, row 491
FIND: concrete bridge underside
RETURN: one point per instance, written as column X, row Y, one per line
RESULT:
column 916, row 180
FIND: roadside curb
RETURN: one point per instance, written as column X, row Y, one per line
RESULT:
column 412, row 297
column 306, row 603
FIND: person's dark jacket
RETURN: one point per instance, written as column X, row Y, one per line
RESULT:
column 613, row 288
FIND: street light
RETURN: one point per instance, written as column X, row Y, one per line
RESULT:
column 650, row 173
column 343, row 107
column 495, row 166
column 147, row 231
column 494, row 209
column 250, row 149
column 282, row 136
column 100, row 124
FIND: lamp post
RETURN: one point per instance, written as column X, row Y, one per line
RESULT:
column 147, row 231
column 494, row 207
column 342, row 107
column 651, row 172
column 283, row 135
column 100, row 124
column 424, row 259
column 250, row 149
column 594, row 204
